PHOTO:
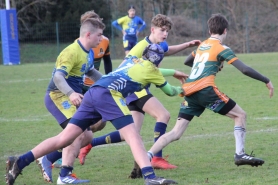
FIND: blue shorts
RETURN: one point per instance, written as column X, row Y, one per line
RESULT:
column 100, row 103
column 137, row 95
column 129, row 43
column 59, row 105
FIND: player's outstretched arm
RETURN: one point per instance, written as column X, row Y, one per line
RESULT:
column 172, row 90
column 177, row 74
column 177, row 48
column 248, row 71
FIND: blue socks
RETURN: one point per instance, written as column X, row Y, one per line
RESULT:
column 54, row 156
column 65, row 170
column 25, row 159
column 148, row 172
column 113, row 137
column 159, row 130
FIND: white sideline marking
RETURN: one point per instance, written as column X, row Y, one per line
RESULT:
column 21, row 81
column 123, row 143
column 267, row 118
column 31, row 119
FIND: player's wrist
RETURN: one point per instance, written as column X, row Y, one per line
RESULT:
column 70, row 93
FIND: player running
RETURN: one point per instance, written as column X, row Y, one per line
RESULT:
column 201, row 91
column 106, row 100
column 144, row 101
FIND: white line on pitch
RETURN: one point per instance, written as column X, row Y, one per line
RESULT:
column 27, row 80
column 182, row 138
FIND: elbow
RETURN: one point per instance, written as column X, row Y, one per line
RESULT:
column 246, row 71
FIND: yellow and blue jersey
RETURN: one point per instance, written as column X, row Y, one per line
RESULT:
column 138, row 49
column 129, row 25
column 74, row 61
column 131, row 76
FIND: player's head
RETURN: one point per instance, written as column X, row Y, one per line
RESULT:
column 89, row 14
column 154, row 53
column 131, row 11
column 162, row 21
column 160, row 27
column 217, row 24
column 91, row 32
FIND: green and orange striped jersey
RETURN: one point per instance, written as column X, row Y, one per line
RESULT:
column 208, row 59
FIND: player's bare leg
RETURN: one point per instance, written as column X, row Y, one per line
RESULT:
column 240, row 157
column 86, row 149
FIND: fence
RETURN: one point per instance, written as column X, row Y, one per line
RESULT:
column 43, row 42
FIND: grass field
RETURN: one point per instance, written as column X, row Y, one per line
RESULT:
column 204, row 154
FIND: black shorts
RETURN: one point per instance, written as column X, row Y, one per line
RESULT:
column 138, row 105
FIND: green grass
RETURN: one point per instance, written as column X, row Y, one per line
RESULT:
column 204, row 154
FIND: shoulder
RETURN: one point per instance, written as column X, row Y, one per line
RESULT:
column 139, row 18
column 104, row 39
column 138, row 49
column 164, row 46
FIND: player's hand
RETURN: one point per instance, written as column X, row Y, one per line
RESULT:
column 271, row 88
column 194, row 43
column 180, row 76
column 76, row 98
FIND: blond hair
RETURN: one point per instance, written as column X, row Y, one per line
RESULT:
column 91, row 25
column 89, row 14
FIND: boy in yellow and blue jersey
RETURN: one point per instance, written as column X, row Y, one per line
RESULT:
column 129, row 26
column 106, row 100
column 144, row 101
column 68, row 64
column 64, row 95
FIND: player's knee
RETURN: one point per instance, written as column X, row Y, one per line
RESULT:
column 163, row 117
column 242, row 115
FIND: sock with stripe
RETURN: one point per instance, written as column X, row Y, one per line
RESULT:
column 239, row 134
column 113, row 137
column 148, row 172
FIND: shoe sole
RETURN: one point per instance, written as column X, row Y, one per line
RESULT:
column 8, row 164
column 251, row 164
column 44, row 175
column 163, row 168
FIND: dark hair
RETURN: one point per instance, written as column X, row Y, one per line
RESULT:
column 131, row 7
column 217, row 23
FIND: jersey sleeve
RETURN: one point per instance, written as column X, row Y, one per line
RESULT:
column 227, row 55
column 164, row 46
column 107, row 51
column 143, row 24
column 65, row 61
column 117, row 25
column 193, row 53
